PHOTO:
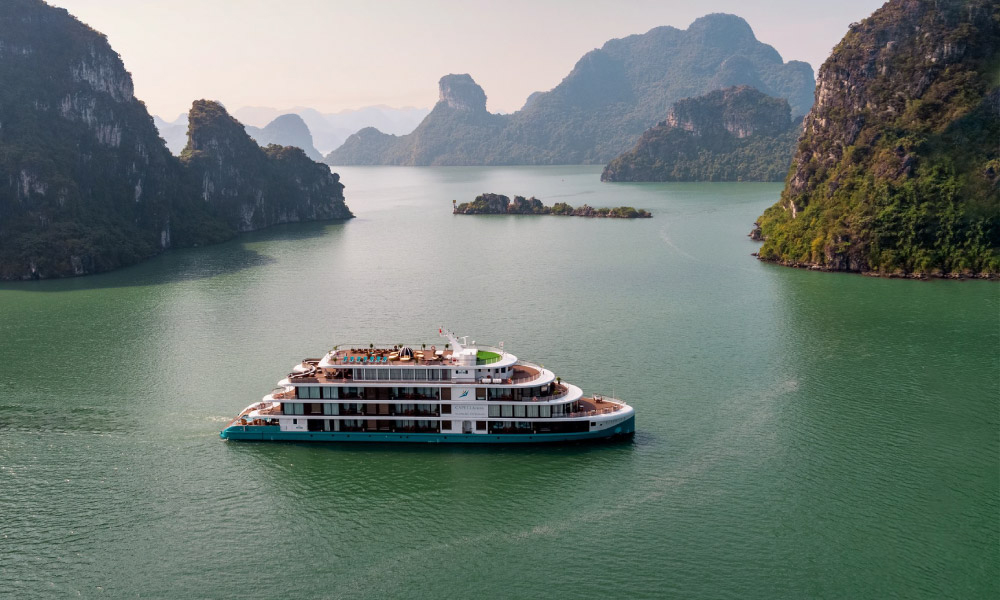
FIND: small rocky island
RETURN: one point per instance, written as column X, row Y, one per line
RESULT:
column 497, row 204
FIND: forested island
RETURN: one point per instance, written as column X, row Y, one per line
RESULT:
column 88, row 185
column 498, row 204
column 735, row 134
column 898, row 172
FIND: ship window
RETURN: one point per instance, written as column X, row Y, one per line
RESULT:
column 480, row 425
column 519, row 410
column 445, row 374
column 314, row 392
column 371, row 374
column 445, row 424
column 494, row 410
column 532, row 411
column 383, row 374
column 506, row 410
column 407, row 374
column 295, row 421
column 395, row 374
column 545, row 411
column 558, row 409
column 445, row 409
column 433, row 374
column 420, row 374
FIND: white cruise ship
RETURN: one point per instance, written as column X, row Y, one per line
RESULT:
column 459, row 393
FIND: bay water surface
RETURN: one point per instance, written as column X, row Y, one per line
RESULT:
column 800, row 434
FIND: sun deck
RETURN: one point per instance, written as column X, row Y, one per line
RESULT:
column 344, row 371
column 401, row 355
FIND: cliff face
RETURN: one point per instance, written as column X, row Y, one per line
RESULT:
column 460, row 92
column 600, row 109
column 85, row 182
column 286, row 130
column 897, row 169
column 736, row 134
column 250, row 187
column 739, row 111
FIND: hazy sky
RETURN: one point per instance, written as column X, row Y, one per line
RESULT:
column 332, row 55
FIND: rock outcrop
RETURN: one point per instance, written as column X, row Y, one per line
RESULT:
column 736, row 134
column 250, row 187
column 86, row 183
column 460, row 92
column 600, row 109
column 457, row 128
column 897, row 169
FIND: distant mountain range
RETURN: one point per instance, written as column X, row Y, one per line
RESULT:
column 329, row 130
column 286, row 130
column 325, row 131
column 174, row 133
column 599, row 110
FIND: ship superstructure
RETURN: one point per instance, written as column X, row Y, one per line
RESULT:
column 460, row 392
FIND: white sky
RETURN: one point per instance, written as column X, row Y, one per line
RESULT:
column 333, row 54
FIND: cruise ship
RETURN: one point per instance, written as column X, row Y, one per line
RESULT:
column 461, row 393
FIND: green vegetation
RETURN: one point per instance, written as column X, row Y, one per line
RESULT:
column 484, row 357
column 897, row 171
column 737, row 134
column 599, row 110
column 497, row 204
column 251, row 187
column 88, row 185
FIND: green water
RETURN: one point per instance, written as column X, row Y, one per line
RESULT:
column 800, row 434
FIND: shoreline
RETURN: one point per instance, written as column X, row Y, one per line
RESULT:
column 878, row 274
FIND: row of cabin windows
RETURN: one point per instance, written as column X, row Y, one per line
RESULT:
column 357, row 408
column 533, row 411
column 417, row 426
column 315, row 392
column 527, row 411
column 414, row 374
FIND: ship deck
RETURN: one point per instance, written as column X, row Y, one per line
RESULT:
column 593, row 406
column 361, row 356
column 343, row 373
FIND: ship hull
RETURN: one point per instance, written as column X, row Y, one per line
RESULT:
column 273, row 434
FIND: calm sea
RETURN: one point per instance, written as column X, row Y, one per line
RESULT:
column 800, row 434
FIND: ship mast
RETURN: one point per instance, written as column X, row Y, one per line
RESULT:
column 445, row 333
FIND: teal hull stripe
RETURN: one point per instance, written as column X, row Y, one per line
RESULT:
column 271, row 433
